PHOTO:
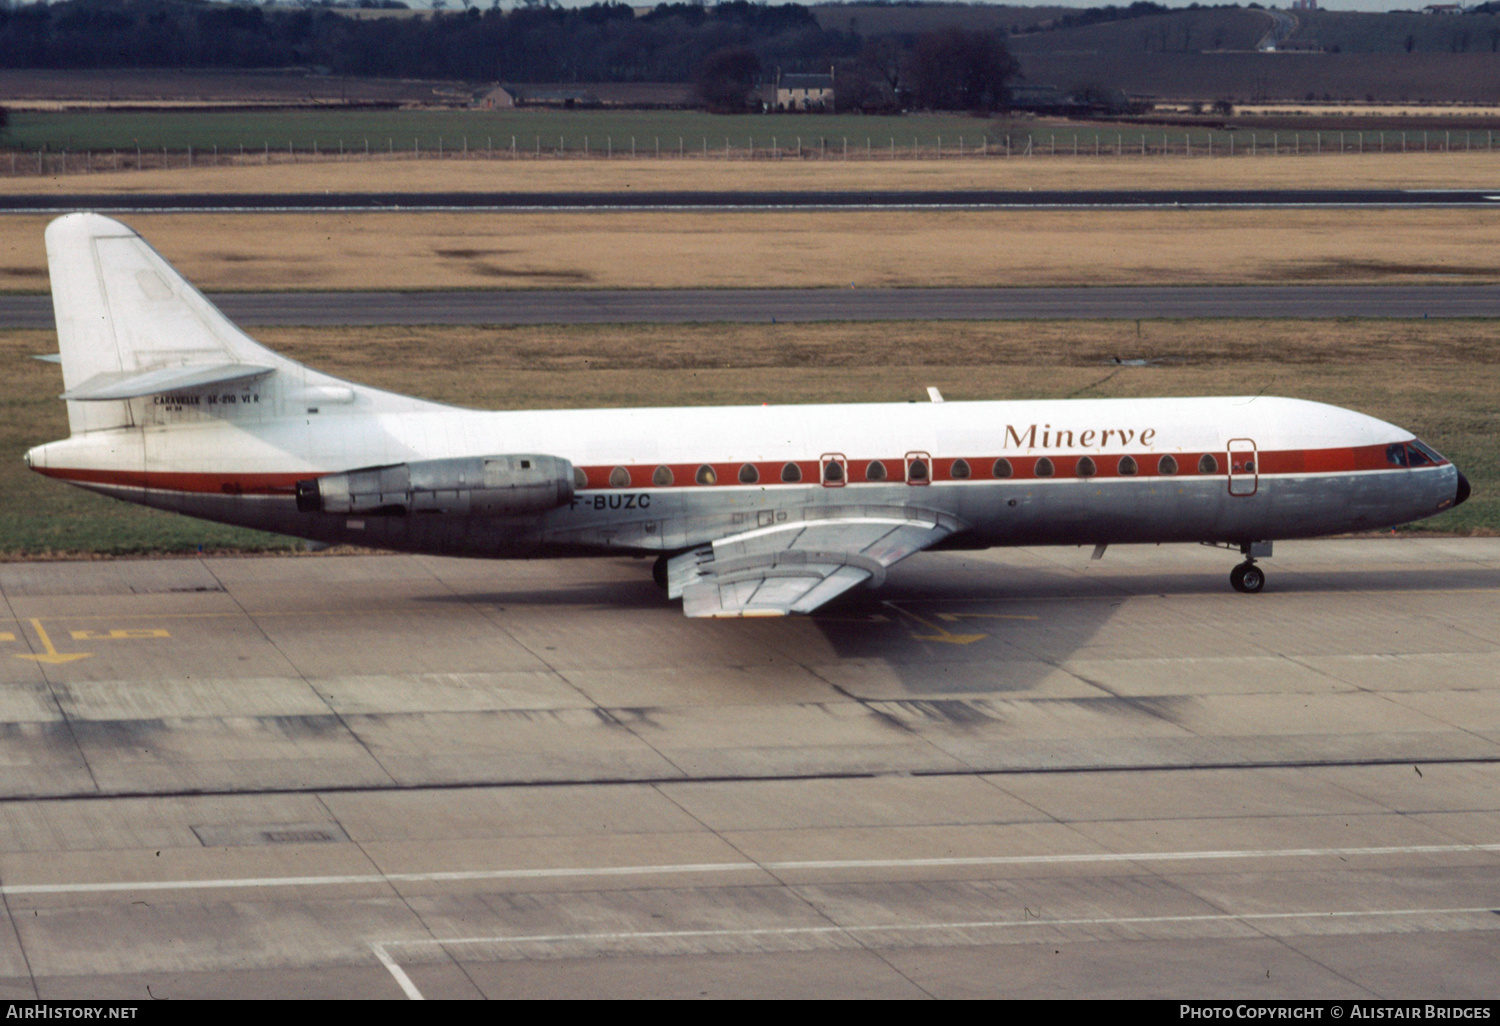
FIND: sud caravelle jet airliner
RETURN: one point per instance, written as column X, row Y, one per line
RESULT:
column 750, row 510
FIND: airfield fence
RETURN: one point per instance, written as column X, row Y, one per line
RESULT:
column 1026, row 144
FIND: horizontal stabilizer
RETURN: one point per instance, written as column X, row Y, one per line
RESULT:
column 118, row 385
column 48, row 357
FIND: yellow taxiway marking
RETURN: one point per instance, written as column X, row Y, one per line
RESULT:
column 944, row 636
column 120, row 633
column 51, row 655
column 950, row 617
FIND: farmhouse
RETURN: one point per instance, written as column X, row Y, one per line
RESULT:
column 804, row 92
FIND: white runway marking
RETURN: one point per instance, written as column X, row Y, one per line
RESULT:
column 696, row 868
column 404, row 981
column 853, row 932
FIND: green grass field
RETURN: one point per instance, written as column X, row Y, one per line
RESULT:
column 479, row 130
column 1444, row 390
column 651, row 132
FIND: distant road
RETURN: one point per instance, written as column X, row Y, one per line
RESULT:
column 679, row 306
column 770, row 200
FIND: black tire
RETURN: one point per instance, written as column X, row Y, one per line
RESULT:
column 659, row 571
column 1254, row 579
column 1247, row 578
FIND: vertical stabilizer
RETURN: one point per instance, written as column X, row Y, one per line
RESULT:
column 122, row 309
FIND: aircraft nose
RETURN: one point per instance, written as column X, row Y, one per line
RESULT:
column 1463, row 490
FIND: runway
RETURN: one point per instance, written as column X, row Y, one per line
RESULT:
column 680, row 306
column 1011, row 773
column 325, row 202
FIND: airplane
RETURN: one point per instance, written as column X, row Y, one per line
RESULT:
column 749, row 510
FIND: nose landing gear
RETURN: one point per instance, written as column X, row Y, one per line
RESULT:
column 1247, row 577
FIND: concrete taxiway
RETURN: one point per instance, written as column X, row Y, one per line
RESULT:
column 1011, row 773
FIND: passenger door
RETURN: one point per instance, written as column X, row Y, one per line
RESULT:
column 1244, row 469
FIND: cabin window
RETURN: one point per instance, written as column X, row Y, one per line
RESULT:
column 580, row 479
column 1002, row 468
column 1044, row 467
column 916, row 470
column 960, row 470
column 619, row 478
column 1167, row 465
column 1086, row 467
column 791, row 473
column 833, row 471
column 662, row 477
column 706, row 475
column 875, row 471
column 748, row 474
column 1207, row 464
column 1395, row 454
column 1127, row 466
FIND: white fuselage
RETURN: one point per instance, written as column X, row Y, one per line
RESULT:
column 1313, row 469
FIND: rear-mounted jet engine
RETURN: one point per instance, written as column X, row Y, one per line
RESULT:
column 478, row 486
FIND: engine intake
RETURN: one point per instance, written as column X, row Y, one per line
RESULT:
column 468, row 486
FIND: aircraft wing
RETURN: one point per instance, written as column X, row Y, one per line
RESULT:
column 795, row 567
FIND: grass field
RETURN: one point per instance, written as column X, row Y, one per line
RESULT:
column 111, row 140
column 1455, row 170
column 724, row 249
column 1437, row 378
column 532, row 129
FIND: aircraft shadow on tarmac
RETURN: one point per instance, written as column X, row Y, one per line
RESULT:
column 964, row 627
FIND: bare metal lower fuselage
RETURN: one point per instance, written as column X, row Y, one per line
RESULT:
column 994, row 513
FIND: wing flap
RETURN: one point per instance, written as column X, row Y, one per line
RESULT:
column 797, row 567
column 115, row 385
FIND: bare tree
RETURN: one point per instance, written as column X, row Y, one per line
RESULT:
column 725, row 78
column 958, row 69
column 886, row 61
column 1188, row 23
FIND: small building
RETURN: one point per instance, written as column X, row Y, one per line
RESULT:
column 551, row 96
column 1443, row 9
column 499, row 98
column 1042, row 99
column 804, row 92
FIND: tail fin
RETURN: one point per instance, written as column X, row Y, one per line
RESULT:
column 128, row 324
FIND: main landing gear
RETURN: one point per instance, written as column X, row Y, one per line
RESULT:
column 1247, row 577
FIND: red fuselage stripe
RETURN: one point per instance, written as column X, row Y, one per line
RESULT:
column 858, row 471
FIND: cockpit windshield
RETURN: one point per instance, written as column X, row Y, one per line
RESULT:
column 1428, row 455
column 1414, row 453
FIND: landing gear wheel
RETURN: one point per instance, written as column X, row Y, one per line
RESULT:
column 659, row 571
column 1248, row 578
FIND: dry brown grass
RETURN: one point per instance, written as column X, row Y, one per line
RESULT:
column 1370, row 170
column 402, row 356
column 694, row 249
